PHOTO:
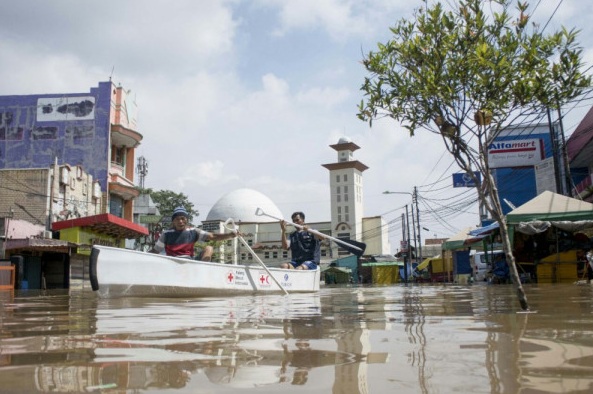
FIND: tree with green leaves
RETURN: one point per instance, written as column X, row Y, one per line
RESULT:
column 467, row 72
column 167, row 200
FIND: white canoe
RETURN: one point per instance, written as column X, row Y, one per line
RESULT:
column 124, row 272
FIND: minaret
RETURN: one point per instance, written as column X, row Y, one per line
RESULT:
column 345, row 180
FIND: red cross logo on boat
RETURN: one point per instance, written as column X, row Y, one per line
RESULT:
column 230, row 278
column 264, row 279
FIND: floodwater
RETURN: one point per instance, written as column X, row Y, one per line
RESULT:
column 404, row 339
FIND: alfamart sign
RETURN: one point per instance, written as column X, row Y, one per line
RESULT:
column 515, row 153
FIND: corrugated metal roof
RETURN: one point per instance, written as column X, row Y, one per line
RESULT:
column 46, row 244
column 579, row 146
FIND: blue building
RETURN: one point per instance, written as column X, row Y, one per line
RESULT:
column 523, row 162
column 94, row 131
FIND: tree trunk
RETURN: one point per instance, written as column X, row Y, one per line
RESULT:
column 496, row 211
column 510, row 258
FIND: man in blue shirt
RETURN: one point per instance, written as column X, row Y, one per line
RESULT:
column 304, row 246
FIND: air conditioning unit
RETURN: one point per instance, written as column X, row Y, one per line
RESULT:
column 79, row 173
column 96, row 190
column 64, row 175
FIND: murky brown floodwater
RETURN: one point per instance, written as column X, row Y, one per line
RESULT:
column 414, row 339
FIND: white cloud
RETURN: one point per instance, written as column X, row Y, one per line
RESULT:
column 341, row 19
column 326, row 97
column 202, row 174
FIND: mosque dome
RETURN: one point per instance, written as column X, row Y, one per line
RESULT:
column 344, row 140
column 241, row 204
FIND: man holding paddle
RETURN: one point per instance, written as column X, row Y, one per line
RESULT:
column 180, row 239
column 305, row 247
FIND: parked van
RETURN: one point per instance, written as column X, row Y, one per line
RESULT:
column 481, row 263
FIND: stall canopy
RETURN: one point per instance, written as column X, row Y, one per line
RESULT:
column 459, row 240
column 486, row 230
column 482, row 232
column 551, row 209
column 427, row 261
column 106, row 224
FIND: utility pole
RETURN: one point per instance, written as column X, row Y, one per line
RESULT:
column 415, row 198
column 414, row 231
column 407, row 242
column 409, row 246
column 555, row 151
column 567, row 177
column 416, row 225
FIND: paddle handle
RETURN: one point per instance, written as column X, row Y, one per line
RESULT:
column 260, row 212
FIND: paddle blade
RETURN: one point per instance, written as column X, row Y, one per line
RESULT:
column 354, row 247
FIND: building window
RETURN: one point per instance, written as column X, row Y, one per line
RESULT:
column 274, row 255
column 345, row 177
column 337, row 178
column 266, row 255
column 116, row 206
column 345, row 193
column 118, row 155
column 44, row 133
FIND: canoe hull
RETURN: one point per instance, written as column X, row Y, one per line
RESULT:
column 124, row 272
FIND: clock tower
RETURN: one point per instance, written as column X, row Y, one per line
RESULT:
column 345, row 180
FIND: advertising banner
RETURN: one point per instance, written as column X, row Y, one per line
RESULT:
column 515, row 153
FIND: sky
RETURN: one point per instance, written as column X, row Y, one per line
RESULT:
column 250, row 94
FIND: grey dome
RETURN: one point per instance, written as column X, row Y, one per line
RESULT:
column 241, row 204
column 344, row 140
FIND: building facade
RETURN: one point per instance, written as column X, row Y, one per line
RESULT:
column 66, row 167
column 94, row 132
column 524, row 163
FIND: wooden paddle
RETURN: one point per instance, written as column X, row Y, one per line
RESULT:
column 235, row 229
column 354, row 247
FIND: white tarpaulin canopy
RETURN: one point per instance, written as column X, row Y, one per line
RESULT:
column 551, row 209
column 459, row 240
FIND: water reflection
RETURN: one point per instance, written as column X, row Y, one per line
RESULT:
column 344, row 340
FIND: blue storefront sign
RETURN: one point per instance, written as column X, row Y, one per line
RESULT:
column 465, row 180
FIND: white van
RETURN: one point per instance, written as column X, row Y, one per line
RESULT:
column 482, row 264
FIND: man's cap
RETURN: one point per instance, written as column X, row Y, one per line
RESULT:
column 179, row 211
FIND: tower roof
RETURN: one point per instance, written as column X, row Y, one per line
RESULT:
column 345, row 146
column 346, row 164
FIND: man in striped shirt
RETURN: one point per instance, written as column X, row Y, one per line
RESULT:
column 179, row 241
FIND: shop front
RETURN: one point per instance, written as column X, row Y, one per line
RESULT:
column 61, row 262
